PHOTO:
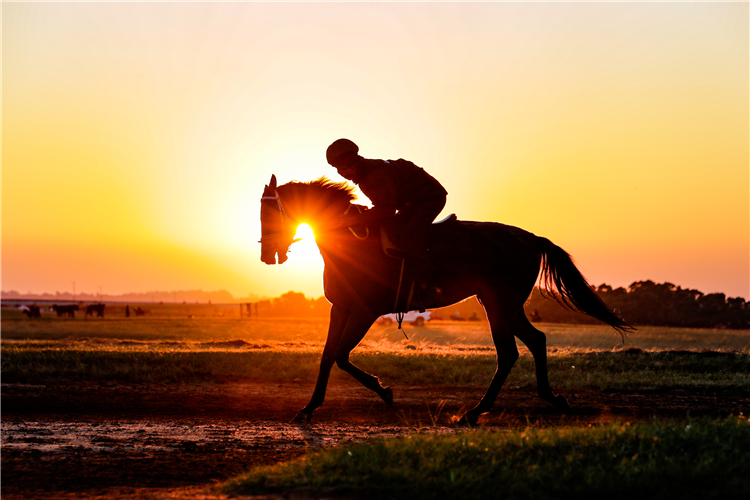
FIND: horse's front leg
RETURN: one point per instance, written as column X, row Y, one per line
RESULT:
column 336, row 327
column 346, row 330
column 357, row 326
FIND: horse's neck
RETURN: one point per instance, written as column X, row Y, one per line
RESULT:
column 304, row 206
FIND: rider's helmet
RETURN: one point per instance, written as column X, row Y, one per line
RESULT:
column 341, row 153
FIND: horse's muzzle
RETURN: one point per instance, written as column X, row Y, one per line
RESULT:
column 270, row 258
column 268, row 255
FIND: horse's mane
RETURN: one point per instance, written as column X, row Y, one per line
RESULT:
column 324, row 187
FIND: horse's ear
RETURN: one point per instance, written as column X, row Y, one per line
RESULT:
column 272, row 185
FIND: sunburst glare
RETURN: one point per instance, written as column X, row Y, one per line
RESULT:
column 305, row 232
column 305, row 251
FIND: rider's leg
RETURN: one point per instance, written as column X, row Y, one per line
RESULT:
column 415, row 222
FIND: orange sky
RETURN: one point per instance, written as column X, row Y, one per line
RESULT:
column 136, row 138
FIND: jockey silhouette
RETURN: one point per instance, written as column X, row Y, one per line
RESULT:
column 395, row 187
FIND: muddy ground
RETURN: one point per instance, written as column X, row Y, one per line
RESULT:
column 165, row 441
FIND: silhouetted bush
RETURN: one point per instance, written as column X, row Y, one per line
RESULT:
column 294, row 305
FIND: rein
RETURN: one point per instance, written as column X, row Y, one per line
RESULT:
column 367, row 229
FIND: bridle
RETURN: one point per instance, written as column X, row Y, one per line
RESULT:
column 282, row 212
column 285, row 220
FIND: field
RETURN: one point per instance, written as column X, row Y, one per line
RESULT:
column 172, row 404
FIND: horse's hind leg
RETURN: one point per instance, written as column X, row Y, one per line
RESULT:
column 536, row 341
column 501, row 323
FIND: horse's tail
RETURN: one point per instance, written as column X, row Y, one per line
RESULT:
column 559, row 274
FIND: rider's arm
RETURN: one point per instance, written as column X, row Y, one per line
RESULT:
column 378, row 182
column 374, row 214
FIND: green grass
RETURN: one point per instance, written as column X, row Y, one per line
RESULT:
column 139, row 362
column 15, row 326
column 18, row 327
column 702, row 458
column 35, row 362
column 220, row 349
column 694, row 459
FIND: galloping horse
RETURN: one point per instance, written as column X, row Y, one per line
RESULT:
column 498, row 263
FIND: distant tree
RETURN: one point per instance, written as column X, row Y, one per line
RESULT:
column 642, row 303
column 658, row 304
column 293, row 305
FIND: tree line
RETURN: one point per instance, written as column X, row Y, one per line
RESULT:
column 642, row 303
column 649, row 303
column 293, row 305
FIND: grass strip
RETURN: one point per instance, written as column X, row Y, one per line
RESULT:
column 622, row 370
column 702, row 458
column 58, row 365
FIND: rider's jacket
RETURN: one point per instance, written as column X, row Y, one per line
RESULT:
column 396, row 184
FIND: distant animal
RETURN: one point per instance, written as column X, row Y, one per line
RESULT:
column 498, row 263
column 32, row 311
column 139, row 312
column 65, row 310
column 535, row 317
column 95, row 308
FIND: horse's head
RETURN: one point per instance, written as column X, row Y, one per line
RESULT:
column 277, row 231
column 319, row 203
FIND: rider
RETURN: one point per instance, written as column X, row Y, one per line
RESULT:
column 395, row 187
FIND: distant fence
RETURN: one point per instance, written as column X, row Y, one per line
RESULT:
column 248, row 309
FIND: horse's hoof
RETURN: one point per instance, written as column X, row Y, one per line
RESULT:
column 558, row 401
column 387, row 396
column 302, row 418
column 464, row 420
column 561, row 403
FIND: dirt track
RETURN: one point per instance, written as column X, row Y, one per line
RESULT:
column 165, row 441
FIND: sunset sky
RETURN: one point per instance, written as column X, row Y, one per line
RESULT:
column 137, row 137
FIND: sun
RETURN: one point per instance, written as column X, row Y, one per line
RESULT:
column 305, row 232
column 304, row 251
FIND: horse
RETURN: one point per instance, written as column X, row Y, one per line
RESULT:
column 95, row 308
column 32, row 311
column 65, row 310
column 497, row 263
